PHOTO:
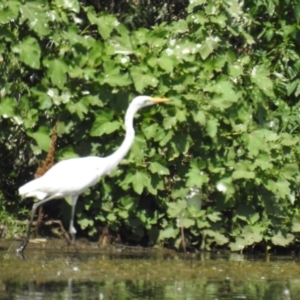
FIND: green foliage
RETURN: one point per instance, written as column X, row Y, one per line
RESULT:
column 231, row 131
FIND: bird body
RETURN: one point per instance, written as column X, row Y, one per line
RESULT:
column 72, row 176
column 66, row 178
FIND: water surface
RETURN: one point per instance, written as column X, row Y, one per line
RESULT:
column 147, row 274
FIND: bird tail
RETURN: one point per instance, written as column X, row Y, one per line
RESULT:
column 31, row 189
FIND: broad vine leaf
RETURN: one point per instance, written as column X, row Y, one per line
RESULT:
column 30, row 52
column 283, row 240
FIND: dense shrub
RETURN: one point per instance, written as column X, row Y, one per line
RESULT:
column 216, row 167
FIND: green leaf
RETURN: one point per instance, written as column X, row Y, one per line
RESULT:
column 185, row 222
column 150, row 131
column 156, row 167
column 78, row 108
column 208, row 46
column 37, row 16
column 262, row 161
column 165, row 140
column 199, row 117
column 235, row 70
column 142, row 80
column 124, row 214
column 71, row 5
column 57, row 70
column 234, row 9
column 127, row 202
column 101, row 119
column 29, row 51
column 42, row 138
column 139, row 181
column 107, row 128
column 243, row 174
column 280, row 239
column 176, row 208
column 288, row 140
column 260, row 76
column 85, row 223
column 280, row 187
column 291, row 86
column 93, row 100
column 297, row 92
column 166, row 64
column 106, row 23
column 137, row 150
column 196, row 178
column 170, row 122
column 57, row 99
column 214, row 217
column 224, row 94
column 180, row 115
column 238, row 245
column 257, row 140
column 296, row 223
column 254, row 218
column 212, row 127
column 67, row 152
column 252, row 234
column 111, row 217
column 289, row 171
column 9, row 10
column 113, row 76
column 249, row 39
column 219, row 238
column 195, row 3
column 117, row 79
column 297, row 12
column 7, row 107
column 168, row 232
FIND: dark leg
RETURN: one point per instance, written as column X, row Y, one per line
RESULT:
column 34, row 207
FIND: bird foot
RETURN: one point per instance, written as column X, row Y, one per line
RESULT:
column 72, row 230
column 20, row 249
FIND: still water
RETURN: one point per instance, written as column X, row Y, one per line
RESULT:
column 60, row 274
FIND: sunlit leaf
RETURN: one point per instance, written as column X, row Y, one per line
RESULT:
column 243, row 174
column 168, row 232
column 296, row 223
column 57, row 71
column 260, row 76
column 29, row 51
column 106, row 23
column 37, row 17
column 281, row 239
column 71, row 5
column 156, row 167
column 42, row 138
column 142, row 80
column 212, row 127
column 176, row 208
column 7, row 107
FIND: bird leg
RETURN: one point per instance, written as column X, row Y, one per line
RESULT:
column 34, row 208
column 72, row 229
column 40, row 216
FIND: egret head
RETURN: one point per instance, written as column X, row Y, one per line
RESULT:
column 142, row 101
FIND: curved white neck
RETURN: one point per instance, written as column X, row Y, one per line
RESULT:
column 118, row 155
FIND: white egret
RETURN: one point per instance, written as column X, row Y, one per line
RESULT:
column 72, row 176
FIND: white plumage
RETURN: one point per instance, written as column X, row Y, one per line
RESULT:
column 71, row 177
column 66, row 178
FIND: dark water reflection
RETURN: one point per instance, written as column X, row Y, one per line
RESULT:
column 56, row 275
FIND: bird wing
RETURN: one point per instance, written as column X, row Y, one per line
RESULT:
column 68, row 177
